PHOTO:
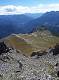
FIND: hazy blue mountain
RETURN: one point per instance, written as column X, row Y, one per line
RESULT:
column 24, row 24
column 12, row 24
column 34, row 15
column 50, row 19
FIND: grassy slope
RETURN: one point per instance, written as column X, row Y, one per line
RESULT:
column 19, row 43
column 41, row 40
column 28, row 43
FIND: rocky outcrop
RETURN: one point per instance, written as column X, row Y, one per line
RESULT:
column 3, row 48
column 58, row 73
column 38, row 53
column 56, row 49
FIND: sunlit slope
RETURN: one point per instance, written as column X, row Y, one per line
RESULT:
column 41, row 40
column 27, row 43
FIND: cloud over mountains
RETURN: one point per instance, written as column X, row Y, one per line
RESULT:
column 41, row 8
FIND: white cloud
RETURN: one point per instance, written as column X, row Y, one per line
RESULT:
column 11, row 9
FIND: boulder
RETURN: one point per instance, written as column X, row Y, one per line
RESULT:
column 20, row 64
column 57, row 64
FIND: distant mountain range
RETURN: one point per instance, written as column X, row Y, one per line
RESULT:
column 27, row 23
column 49, row 19
column 34, row 15
column 12, row 24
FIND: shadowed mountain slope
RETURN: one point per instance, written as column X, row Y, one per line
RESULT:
column 12, row 24
column 49, row 19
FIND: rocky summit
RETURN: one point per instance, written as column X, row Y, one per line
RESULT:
column 16, row 66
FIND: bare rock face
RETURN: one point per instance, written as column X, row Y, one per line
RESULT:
column 3, row 48
column 58, row 73
column 56, row 49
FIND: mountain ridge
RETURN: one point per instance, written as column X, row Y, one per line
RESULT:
column 27, row 43
column 49, row 19
column 23, row 24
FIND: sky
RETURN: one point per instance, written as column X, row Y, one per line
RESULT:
column 27, row 6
